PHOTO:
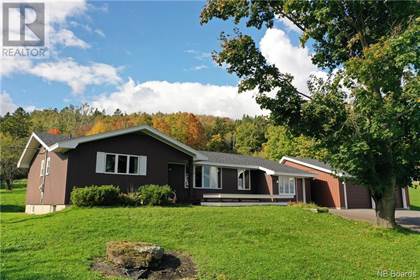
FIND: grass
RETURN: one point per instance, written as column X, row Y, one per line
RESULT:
column 414, row 198
column 267, row 242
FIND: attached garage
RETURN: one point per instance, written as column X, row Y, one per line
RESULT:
column 328, row 190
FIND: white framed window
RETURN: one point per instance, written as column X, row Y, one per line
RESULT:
column 244, row 179
column 48, row 166
column 287, row 185
column 123, row 164
column 207, row 177
column 42, row 169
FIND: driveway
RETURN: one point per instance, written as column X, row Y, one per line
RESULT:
column 405, row 218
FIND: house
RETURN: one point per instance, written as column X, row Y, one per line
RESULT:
column 329, row 190
column 141, row 155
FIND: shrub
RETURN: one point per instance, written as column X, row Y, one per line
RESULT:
column 95, row 196
column 130, row 199
column 155, row 194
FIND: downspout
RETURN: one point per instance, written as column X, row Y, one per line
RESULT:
column 345, row 194
column 42, row 188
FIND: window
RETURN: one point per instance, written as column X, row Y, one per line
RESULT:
column 286, row 185
column 134, row 165
column 110, row 163
column 244, row 179
column 208, row 177
column 42, row 168
column 120, row 164
column 48, row 167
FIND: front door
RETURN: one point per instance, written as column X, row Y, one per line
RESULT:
column 176, row 179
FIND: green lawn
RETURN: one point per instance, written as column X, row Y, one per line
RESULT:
column 414, row 198
column 226, row 243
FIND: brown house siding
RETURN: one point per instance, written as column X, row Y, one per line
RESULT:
column 82, row 162
column 54, row 189
column 357, row 196
column 325, row 188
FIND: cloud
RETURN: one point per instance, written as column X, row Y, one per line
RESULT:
column 163, row 96
column 290, row 26
column 6, row 103
column 199, row 55
column 278, row 50
column 9, row 66
column 67, row 38
column 75, row 75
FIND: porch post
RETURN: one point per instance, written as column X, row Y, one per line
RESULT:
column 304, row 190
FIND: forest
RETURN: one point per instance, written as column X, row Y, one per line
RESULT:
column 250, row 135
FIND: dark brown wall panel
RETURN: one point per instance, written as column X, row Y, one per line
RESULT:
column 82, row 162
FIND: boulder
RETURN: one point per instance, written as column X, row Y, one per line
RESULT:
column 134, row 254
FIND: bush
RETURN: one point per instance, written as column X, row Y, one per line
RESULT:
column 155, row 194
column 95, row 196
column 130, row 199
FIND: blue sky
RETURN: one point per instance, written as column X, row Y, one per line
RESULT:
column 142, row 56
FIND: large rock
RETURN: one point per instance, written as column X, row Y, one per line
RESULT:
column 134, row 254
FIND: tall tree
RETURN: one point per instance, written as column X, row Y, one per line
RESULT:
column 10, row 149
column 280, row 142
column 371, row 128
column 250, row 135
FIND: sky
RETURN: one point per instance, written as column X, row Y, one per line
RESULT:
column 141, row 56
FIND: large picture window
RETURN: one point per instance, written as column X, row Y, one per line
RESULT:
column 120, row 164
column 287, row 185
column 244, row 179
column 208, row 177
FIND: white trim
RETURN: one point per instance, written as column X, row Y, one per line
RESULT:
column 304, row 190
column 373, row 203
column 404, row 198
column 345, row 195
column 245, row 196
column 73, row 143
column 266, row 170
column 283, row 159
column 221, row 204
column 48, row 166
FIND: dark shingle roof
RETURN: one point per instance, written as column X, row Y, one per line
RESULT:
column 313, row 162
column 242, row 160
column 50, row 139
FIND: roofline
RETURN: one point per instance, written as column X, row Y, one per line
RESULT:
column 257, row 167
column 326, row 170
column 73, row 143
column 33, row 135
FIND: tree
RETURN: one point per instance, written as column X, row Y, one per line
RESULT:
column 280, row 142
column 370, row 129
column 10, row 149
column 16, row 124
column 250, row 135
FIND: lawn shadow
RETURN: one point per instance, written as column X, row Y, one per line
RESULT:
column 11, row 208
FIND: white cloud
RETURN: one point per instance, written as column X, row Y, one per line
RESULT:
column 279, row 50
column 67, row 38
column 290, row 25
column 9, row 66
column 75, row 75
column 163, row 96
column 6, row 103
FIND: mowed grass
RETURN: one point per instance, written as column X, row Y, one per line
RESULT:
column 414, row 198
column 226, row 243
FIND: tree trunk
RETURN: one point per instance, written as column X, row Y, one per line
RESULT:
column 9, row 184
column 385, row 209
